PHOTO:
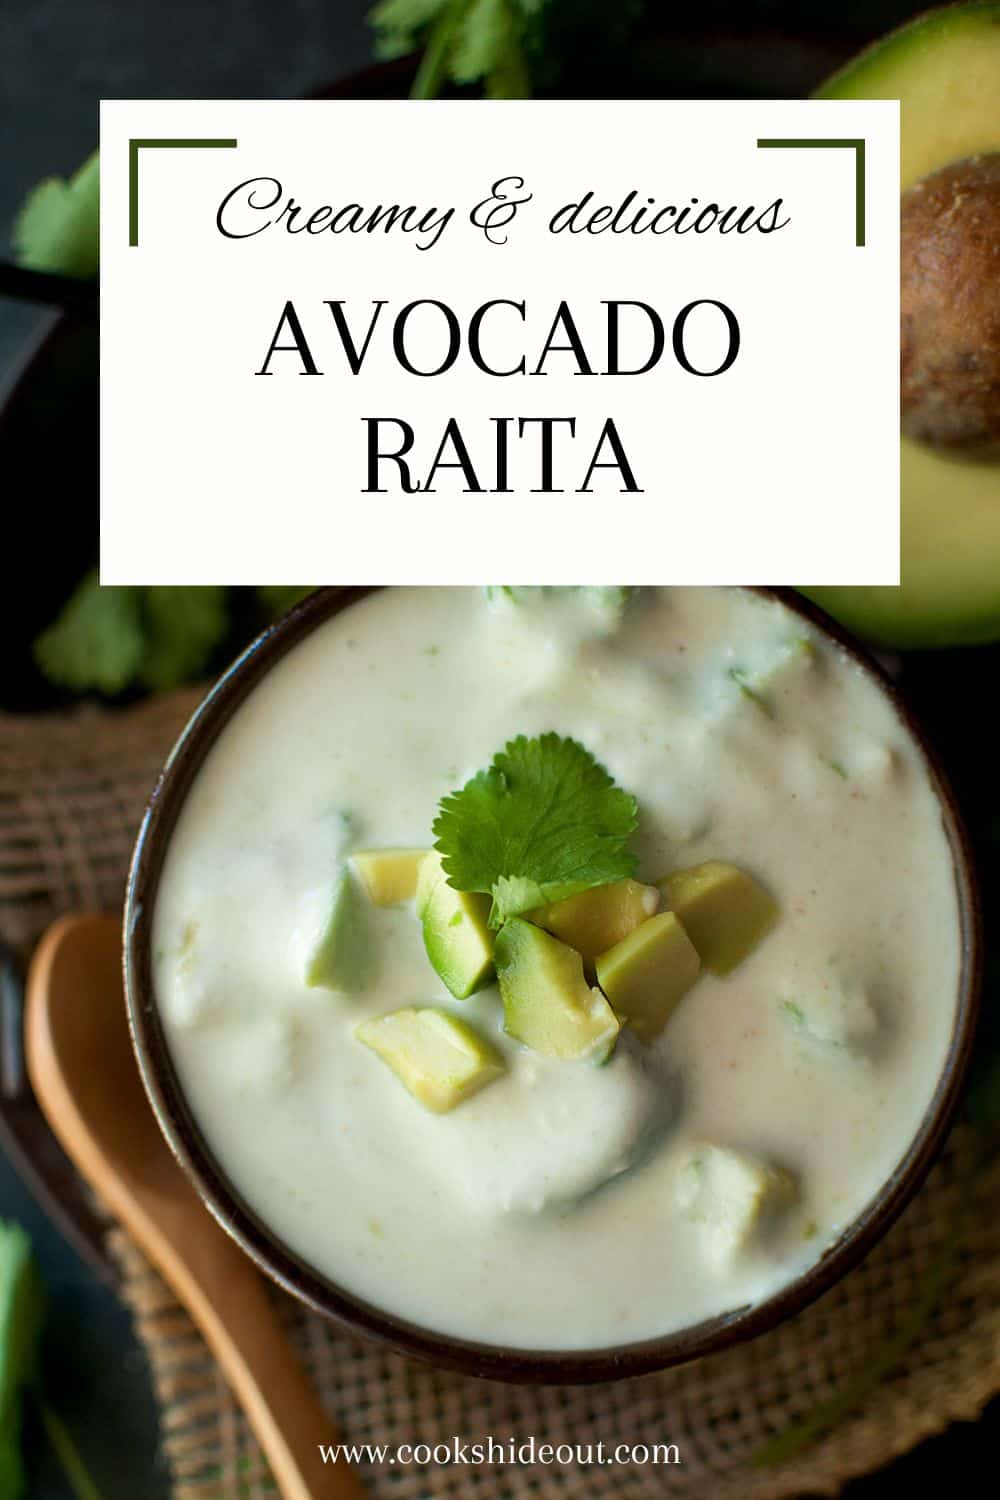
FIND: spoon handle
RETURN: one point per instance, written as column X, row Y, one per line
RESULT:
column 83, row 1070
column 226, row 1298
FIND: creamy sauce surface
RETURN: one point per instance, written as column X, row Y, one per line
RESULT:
column 544, row 1211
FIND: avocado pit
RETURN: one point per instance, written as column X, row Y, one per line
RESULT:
column 950, row 308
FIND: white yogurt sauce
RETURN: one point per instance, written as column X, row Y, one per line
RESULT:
column 482, row 1223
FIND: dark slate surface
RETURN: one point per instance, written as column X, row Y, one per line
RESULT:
column 59, row 57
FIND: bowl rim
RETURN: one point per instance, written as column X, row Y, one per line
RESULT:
column 474, row 1357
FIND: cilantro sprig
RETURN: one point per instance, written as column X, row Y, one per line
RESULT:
column 512, row 48
column 108, row 639
column 544, row 821
column 464, row 41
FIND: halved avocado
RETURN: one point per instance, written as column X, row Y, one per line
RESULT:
column 944, row 67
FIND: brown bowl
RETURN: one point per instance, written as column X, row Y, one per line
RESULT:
column 324, row 1296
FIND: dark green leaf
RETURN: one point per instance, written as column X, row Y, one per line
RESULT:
column 543, row 822
column 183, row 627
column 480, row 39
column 400, row 24
column 97, row 642
column 464, row 41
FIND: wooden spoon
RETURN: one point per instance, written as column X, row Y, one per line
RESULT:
column 85, row 1077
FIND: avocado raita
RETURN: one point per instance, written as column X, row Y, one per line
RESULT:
column 560, row 967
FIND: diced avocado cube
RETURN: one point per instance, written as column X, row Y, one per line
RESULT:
column 725, row 911
column 833, row 1015
column 648, row 973
column 734, row 1196
column 595, row 920
column 547, row 1003
column 389, row 875
column 456, row 929
column 436, row 1056
column 340, row 959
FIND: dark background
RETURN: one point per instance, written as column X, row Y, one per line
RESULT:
column 57, row 59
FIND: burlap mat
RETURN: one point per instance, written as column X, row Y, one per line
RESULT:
column 71, row 792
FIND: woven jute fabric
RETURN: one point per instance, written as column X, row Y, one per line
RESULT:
column 71, row 794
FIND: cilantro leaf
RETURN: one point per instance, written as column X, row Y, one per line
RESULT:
column 97, row 641
column 57, row 227
column 106, row 639
column 490, row 46
column 464, row 41
column 512, row 46
column 543, row 822
column 183, row 626
column 398, row 24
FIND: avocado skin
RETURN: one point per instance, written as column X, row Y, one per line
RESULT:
column 944, row 68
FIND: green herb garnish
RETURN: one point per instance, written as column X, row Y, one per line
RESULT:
column 543, row 822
